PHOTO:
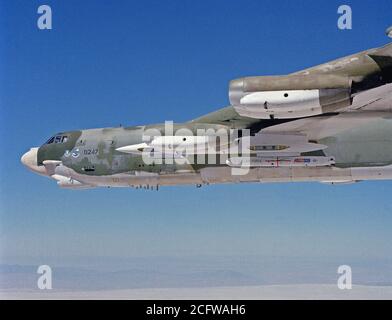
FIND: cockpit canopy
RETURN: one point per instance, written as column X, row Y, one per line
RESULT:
column 58, row 138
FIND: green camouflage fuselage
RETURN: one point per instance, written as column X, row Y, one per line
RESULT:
column 355, row 140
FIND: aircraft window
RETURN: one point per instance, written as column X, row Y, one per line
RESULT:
column 57, row 139
column 65, row 139
column 50, row 140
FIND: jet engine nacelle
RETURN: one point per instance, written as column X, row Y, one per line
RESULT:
column 291, row 96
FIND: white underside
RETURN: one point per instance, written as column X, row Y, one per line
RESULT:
column 224, row 174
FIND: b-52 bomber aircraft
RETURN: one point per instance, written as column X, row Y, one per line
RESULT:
column 331, row 123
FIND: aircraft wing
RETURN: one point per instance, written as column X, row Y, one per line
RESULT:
column 226, row 116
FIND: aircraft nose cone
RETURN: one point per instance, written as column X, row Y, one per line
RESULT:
column 29, row 159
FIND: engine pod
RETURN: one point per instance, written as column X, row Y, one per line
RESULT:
column 289, row 96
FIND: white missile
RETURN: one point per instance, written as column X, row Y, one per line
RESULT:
column 188, row 145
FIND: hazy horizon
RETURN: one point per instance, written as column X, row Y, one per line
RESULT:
column 132, row 63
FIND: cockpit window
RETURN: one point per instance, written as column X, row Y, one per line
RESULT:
column 57, row 139
column 50, row 140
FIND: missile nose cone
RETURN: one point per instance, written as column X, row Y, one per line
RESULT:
column 29, row 159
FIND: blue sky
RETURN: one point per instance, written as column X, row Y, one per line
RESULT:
column 107, row 63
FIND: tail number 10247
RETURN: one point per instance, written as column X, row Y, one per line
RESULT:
column 90, row 151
